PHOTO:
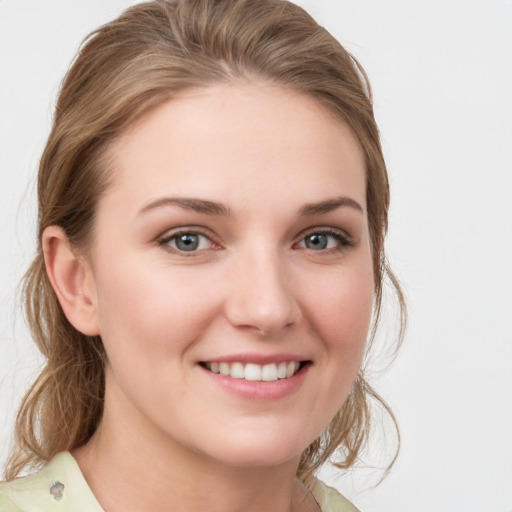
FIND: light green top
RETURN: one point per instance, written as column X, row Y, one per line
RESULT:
column 61, row 487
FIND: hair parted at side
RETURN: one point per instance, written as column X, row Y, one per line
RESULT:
column 124, row 70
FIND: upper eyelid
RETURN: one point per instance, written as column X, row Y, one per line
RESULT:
column 325, row 230
column 194, row 230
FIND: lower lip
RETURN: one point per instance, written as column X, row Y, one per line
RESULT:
column 259, row 390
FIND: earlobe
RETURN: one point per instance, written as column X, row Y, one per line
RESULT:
column 72, row 280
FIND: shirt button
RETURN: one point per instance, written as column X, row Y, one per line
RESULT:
column 56, row 490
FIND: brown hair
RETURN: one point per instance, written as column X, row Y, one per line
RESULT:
column 125, row 69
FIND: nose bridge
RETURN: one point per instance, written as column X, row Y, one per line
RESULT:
column 262, row 297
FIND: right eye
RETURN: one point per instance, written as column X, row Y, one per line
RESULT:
column 186, row 242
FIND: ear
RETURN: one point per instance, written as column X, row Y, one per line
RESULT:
column 72, row 280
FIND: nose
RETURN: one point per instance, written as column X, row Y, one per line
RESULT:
column 262, row 296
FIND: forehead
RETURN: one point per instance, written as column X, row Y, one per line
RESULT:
column 232, row 142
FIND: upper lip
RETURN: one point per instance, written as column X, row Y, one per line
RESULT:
column 257, row 358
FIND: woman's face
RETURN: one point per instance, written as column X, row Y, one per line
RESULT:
column 233, row 239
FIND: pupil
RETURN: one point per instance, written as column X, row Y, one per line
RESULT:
column 187, row 242
column 316, row 241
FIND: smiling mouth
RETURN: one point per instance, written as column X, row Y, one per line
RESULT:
column 256, row 372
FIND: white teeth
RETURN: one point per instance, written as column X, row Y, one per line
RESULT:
column 252, row 371
column 269, row 372
column 291, row 368
column 237, row 371
column 255, row 372
column 281, row 371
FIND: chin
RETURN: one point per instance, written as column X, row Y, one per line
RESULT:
column 260, row 458
column 253, row 451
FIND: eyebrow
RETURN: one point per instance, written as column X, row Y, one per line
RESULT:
column 198, row 205
column 329, row 205
column 214, row 208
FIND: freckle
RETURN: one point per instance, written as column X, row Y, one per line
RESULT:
column 56, row 490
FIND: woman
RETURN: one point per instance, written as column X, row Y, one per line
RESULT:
column 213, row 203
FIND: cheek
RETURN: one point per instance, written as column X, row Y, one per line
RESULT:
column 343, row 312
column 340, row 312
column 154, row 310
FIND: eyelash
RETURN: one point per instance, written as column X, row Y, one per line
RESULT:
column 165, row 241
column 343, row 240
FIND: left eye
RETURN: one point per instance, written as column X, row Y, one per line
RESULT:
column 323, row 240
column 187, row 242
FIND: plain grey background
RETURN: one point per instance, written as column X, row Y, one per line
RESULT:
column 442, row 75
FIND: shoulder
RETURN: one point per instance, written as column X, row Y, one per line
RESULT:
column 34, row 492
column 329, row 499
column 57, row 484
column 23, row 494
column 6, row 505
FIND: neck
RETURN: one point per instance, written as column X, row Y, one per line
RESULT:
column 131, row 467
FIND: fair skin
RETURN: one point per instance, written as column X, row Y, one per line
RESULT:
column 234, row 231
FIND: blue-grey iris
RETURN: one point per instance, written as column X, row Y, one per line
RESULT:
column 187, row 242
column 316, row 241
